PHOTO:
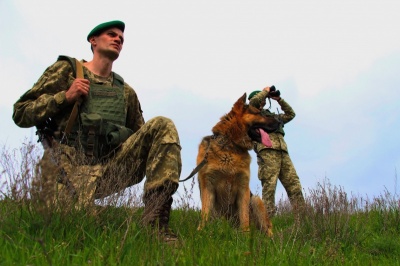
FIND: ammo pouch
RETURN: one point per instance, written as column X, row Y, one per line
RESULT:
column 100, row 137
column 116, row 134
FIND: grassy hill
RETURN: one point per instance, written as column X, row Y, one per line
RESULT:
column 335, row 229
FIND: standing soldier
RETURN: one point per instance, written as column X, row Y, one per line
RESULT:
column 274, row 162
column 97, row 142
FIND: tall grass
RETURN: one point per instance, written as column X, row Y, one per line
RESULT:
column 333, row 229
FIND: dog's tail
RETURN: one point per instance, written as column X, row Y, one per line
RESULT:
column 260, row 215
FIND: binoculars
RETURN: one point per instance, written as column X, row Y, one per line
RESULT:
column 273, row 92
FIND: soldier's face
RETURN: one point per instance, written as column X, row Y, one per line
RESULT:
column 109, row 43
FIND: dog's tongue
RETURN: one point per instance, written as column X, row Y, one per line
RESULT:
column 265, row 138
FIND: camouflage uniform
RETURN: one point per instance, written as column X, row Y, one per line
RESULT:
column 152, row 151
column 275, row 163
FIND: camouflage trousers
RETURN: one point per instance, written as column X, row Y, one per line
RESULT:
column 152, row 152
column 274, row 165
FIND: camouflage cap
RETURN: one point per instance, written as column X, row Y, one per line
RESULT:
column 105, row 26
column 251, row 95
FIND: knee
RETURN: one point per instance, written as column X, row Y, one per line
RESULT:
column 163, row 122
column 166, row 129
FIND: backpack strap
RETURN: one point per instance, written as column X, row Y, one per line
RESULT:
column 118, row 80
column 78, row 73
column 70, row 60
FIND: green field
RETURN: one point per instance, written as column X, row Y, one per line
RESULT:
column 335, row 229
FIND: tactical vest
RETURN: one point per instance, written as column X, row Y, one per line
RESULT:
column 267, row 112
column 100, row 128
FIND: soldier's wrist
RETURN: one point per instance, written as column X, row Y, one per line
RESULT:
column 61, row 99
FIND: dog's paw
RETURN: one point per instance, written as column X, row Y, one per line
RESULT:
column 246, row 230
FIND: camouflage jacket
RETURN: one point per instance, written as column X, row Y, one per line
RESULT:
column 46, row 99
column 277, row 137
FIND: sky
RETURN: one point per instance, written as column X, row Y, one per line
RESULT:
column 337, row 63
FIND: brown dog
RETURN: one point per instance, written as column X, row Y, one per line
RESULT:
column 225, row 177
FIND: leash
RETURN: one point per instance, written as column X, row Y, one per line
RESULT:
column 200, row 165
column 195, row 170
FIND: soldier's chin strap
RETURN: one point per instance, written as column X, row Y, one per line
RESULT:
column 75, row 109
column 269, row 100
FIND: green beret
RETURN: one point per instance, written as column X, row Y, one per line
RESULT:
column 254, row 93
column 105, row 26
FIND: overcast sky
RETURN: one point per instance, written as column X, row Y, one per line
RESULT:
column 337, row 63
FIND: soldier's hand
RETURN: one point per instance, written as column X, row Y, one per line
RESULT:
column 276, row 98
column 78, row 89
column 266, row 89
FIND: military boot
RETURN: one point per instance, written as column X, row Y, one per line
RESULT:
column 156, row 213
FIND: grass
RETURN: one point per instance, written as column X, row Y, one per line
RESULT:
column 335, row 229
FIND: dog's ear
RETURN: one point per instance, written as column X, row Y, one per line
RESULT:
column 239, row 104
column 244, row 97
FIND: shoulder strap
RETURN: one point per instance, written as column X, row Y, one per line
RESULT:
column 76, row 65
column 118, row 80
column 70, row 60
column 74, row 113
